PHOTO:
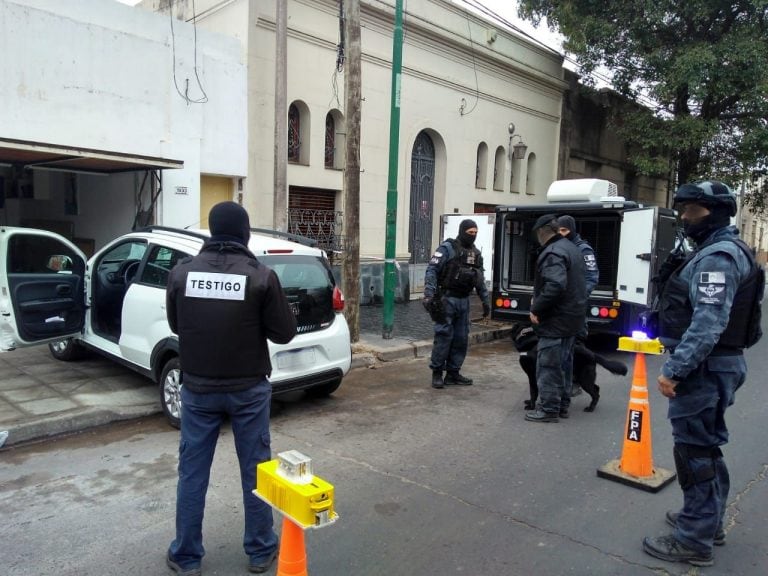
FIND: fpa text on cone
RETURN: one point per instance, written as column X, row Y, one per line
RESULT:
column 635, row 468
column 306, row 501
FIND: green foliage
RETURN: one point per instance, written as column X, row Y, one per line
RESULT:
column 699, row 68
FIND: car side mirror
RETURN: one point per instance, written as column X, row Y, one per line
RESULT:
column 60, row 263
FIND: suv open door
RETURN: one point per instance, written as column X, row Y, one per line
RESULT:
column 42, row 287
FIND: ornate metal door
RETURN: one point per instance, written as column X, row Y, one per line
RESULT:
column 422, row 199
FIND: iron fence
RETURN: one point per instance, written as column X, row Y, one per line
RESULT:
column 324, row 226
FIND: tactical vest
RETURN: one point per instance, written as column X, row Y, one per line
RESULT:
column 743, row 329
column 462, row 272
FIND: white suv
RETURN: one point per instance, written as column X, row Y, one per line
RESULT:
column 114, row 304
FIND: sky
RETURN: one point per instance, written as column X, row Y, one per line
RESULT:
column 507, row 9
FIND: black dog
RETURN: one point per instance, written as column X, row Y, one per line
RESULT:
column 585, row 363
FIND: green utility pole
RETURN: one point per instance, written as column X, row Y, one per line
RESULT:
column 390, row 280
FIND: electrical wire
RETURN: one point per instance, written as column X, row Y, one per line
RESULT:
column 185, row 94
column 477, row 5
column 340, row 57
column 474, row 68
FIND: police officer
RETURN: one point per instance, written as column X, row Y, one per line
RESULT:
column 708, row 312
column 454, row 272
column 224, row 305
column 557, row 313
column 567, row 227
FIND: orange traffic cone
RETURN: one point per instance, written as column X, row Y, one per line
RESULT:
column 292, row 560
column 635, row 468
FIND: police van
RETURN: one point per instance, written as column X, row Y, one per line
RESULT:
column 114, row 304
column 630, row 240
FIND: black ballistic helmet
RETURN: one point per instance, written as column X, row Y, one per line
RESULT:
column 709, row 193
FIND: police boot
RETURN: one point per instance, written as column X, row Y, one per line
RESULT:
column 456, row 379
column 437, row 379
column 718, row 540
column 670, row 549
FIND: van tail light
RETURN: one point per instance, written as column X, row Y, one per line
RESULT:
column 338, row 300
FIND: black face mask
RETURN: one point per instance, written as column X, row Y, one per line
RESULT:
column 701, row 230
column 465, row 239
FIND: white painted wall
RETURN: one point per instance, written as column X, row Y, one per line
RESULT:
column 508, row 80
column 98, row 74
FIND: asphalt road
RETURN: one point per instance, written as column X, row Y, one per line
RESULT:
column 427, row 483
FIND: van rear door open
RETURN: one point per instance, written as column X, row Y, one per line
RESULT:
column 610, row 226
column 647, row 236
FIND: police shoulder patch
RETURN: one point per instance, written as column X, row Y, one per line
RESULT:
column 711, row 288
column 436, row 257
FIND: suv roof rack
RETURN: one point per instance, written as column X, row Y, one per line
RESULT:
column 180, row 231
column 311, row 242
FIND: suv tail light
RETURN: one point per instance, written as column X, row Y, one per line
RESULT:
column 338, row 299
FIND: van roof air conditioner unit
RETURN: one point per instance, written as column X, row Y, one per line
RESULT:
column 583, row 190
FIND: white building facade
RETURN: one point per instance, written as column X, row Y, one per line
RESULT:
column 99, row 129
column 463, row 82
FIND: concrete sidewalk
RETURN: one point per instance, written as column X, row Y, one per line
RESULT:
column 42, row 397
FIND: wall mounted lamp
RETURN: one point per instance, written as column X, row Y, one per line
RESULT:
column 516, row 152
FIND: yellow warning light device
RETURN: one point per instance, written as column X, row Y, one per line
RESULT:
column 639, row 342
column 288, row 485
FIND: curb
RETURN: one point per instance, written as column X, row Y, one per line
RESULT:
column 366, row 354
column 71, row 423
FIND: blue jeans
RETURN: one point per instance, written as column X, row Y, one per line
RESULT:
column 697, row 414
column 554, row 373
column 201, row 419
column 452, row 336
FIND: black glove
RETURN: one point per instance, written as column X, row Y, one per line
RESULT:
column 434, row 307
column 486, row 310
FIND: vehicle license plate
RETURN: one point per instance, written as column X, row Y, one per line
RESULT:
column 296, row 358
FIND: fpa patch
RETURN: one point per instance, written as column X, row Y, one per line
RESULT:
column 711, row 288
column 215, row 286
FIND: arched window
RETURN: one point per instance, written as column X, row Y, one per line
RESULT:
column 530, row 175
column 330, row 141
column 499, row 167
column 481, row 166
column 294, row 134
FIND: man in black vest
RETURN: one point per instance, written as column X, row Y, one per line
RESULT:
column 453, row 273
column 224, row 305
column 709, row 311
column 557, row 312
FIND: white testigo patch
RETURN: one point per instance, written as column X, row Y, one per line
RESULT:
column 216, row 286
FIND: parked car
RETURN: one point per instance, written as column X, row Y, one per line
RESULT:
column 114, row 304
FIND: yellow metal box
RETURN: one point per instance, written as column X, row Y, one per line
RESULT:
column 309, row 505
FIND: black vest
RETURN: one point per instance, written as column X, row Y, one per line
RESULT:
column 743, row 329
column 462, row 273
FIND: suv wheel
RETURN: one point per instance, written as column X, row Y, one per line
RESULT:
column 323, row 390
column 66, row 350
column 170, row 391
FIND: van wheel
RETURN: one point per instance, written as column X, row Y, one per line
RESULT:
column 170, row 391
column 66, row 350
column 323, row 390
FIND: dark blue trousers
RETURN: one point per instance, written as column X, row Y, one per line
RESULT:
column 449, row 348
column 697, row 415
column 201, row 419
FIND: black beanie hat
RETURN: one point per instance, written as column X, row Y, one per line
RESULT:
column 566, row 221
column 466, row 225
column 228, row 222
